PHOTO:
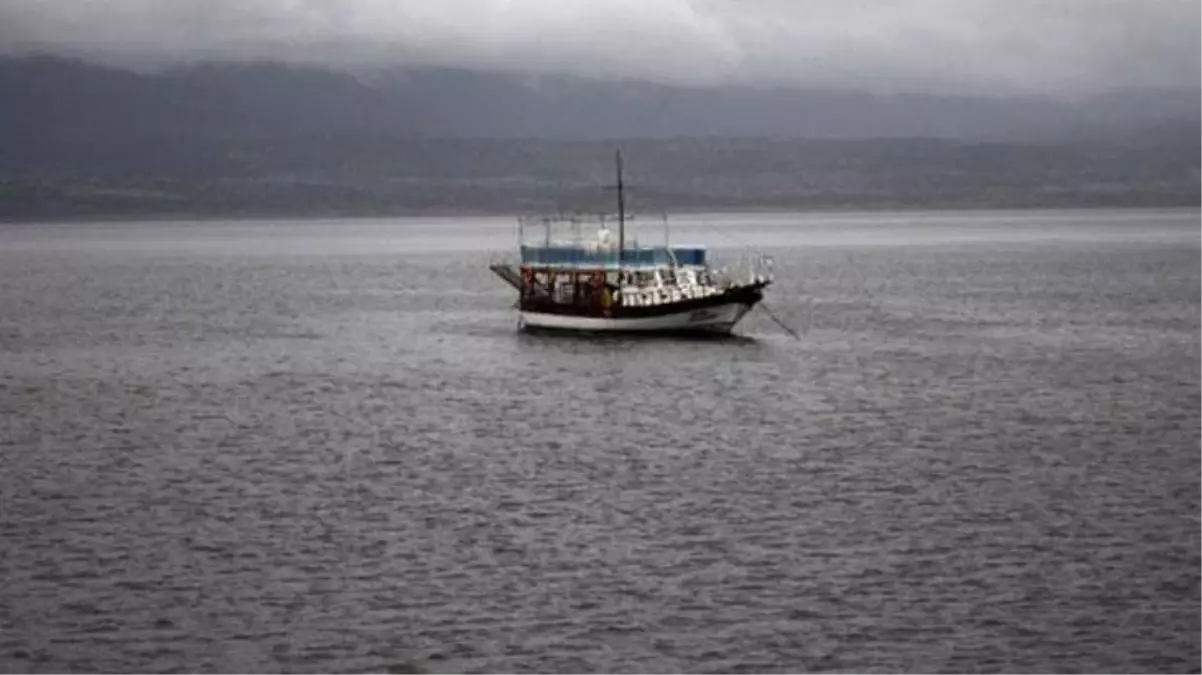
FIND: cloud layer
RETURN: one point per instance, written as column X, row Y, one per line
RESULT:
column 1064, row 47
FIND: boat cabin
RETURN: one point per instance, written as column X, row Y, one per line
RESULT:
column 575, row 263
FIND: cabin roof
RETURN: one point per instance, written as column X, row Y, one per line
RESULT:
column 586, row 256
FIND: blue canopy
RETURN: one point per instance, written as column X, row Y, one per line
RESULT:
column 580, row 257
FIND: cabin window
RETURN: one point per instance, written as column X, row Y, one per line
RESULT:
column 539, row 284
column 565, row 289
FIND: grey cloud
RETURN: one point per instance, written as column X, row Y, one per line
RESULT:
column 978, row 46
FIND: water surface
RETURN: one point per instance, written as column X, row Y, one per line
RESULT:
column 323, row 446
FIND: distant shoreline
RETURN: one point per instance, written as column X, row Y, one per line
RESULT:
column 450, row 213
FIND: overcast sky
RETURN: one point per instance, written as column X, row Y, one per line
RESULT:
column 972, row 46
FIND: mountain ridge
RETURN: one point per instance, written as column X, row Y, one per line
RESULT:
column 267, row 99
column 78, row 140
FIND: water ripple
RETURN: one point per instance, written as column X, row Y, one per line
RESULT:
column 983, row 456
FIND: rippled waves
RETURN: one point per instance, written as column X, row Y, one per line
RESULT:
column 341, row 456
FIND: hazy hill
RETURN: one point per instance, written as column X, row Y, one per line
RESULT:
column 53, row 96
column 79, row 139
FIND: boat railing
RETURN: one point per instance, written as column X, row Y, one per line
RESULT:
column 571, row 229
column 751, row 267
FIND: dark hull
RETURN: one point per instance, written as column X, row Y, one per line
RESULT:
column 748, row 295
column 714, row 315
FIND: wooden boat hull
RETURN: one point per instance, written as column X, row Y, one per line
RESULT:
column 716, row 314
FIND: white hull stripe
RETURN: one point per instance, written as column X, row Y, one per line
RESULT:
column 716, row 318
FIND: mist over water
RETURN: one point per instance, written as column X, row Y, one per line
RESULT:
column 323, row 446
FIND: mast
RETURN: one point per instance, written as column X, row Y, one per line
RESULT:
column 621, row 188
column 621, row 211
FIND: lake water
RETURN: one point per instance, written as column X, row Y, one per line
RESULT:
column 324, row 446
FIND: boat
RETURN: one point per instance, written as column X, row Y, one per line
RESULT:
column 575, row 273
